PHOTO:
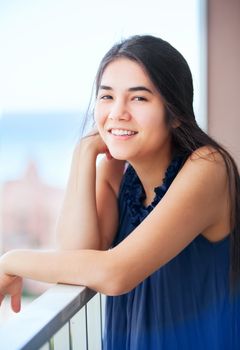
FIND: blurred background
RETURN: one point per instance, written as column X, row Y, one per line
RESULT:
column 49, row 55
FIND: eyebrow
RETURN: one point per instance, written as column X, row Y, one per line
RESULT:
column 134, row 88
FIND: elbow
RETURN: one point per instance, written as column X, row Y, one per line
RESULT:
column 61, row 242
column 114, row 287
column 118, row 289
column 117, row 280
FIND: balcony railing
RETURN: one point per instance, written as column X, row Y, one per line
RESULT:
column 63, row 318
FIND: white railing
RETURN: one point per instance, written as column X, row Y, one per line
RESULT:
column 65, row 317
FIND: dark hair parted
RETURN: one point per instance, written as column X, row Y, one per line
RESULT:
column 170, row 73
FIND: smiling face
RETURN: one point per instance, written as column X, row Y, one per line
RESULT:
column 130, row 113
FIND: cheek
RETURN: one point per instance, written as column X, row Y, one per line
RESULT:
column 99, row 116
column 152, row 122
column 98, row 119
column 155, row 129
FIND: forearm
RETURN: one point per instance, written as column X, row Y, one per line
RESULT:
column 80, row 267
column 77, row 227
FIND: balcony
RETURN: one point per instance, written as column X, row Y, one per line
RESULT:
column 65, row 317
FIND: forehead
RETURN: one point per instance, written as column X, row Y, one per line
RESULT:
column 125, row 72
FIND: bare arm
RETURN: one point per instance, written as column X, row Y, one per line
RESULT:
column 79, row 267
column 88, row 220
column 197, row 200
column 192, row 204
column 89, row 199
column 77, row 226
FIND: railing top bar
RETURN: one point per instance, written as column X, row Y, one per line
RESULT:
column 35, row 325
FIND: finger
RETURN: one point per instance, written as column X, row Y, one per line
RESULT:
column 1, row 298
column 16, row 302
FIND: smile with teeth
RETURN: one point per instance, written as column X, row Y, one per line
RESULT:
column 121, row 132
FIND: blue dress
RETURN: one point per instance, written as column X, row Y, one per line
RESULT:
column 184, row 305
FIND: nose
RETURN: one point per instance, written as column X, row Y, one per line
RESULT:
column 119, row 111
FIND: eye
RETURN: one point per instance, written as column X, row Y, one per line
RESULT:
column 105, row 97
column 139, row 98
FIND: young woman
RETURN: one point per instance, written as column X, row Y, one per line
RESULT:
column 156, row 227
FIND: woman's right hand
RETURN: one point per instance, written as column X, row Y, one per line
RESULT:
column 95, row 143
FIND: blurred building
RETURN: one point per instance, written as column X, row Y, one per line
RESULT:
column 29, row 211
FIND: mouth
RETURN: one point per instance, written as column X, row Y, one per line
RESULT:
column 122, row 132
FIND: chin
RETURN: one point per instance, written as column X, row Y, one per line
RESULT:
column 119, row 155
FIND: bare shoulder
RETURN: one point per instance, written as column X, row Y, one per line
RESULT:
column 207, row 169
column 202, row 183
column 207, row 162
column 207, row 153
column 111, row 172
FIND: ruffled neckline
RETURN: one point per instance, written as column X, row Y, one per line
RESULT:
column 135, row 194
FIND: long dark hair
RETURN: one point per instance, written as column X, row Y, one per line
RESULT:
column 170, row 73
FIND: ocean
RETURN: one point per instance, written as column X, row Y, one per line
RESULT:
column 46, row 138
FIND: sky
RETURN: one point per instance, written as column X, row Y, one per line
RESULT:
column 50, row 49
column 49, row 55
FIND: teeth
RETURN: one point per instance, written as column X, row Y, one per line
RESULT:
column 122, row 132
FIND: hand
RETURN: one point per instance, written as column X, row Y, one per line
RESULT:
column 11, row 285
column 94, row 140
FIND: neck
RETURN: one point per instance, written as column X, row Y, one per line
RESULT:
column 151, row 173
